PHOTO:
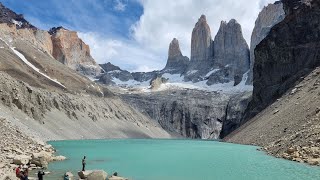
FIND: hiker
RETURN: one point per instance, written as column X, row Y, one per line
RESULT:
column 18, row 171
column 83, row 163
column 41, row 174
column 66, row 177
column 25, row 174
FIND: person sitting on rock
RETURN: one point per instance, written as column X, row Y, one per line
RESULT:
column 84, row 163
column 41, row 174
column 18, row 171
column 25, row 175
column 66, row 177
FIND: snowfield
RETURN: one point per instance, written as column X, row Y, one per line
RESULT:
column 176, row 81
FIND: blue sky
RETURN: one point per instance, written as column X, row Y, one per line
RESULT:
column 135, row 34
column 108, row 17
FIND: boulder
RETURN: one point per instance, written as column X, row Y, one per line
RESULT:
column 93, row 175
column 313, row 161
column 70, row 175
column 97, row 175
column 42, row 155
column 59, row 158
column 84, row 174
column 21, row 159
column 117, row 178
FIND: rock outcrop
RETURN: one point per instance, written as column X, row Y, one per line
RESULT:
column 267, row 18
column 231, row 50
column 286, row 99
column 176, row 63
column 70, row 50
column 9, row 17
column 289, row 52
column 113, row 74
column 201, row 46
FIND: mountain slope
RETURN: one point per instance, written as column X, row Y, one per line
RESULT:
column 292, row 122
column 42, row 95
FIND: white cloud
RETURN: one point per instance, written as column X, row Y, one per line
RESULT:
column 165, row 19
column 162, row 20
column 126, row 54
column 120, row 5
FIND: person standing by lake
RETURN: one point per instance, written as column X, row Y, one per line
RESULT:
column 84, row 163
column 40, row 174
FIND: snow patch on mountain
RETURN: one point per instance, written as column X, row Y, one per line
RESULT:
column 18, row 23
column 23, row 58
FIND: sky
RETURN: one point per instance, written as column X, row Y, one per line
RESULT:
column 135, row 34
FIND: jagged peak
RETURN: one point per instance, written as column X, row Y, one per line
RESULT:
column 107, row 67
column 174, row 49
column 201, row 20
column 54, row 30
column 233, row 21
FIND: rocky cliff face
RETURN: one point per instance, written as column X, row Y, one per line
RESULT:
column 231, row 50
column 176, row 63
column 70, row 50
column 190, row 113
column 268, row 17
column 289, row 52
column 113, row 73
column 201, row 45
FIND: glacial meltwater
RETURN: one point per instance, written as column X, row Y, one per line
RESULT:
column 140, row 159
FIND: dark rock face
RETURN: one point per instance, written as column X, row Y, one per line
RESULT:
column 267, row 18
column 234, row 112
column 188, row 113
column 191, row 113
column 288, row 53
column 10, row 17
column 176, row 63
column 111, row 71
column 107, row 67
column 231, row 49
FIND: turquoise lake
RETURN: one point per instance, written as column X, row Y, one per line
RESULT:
column 150, row 159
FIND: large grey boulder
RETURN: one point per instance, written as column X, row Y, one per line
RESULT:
column 21, row 159
column 267, row 18
column 176, row 62
column 117, row 178
column 231, row 50
column 97, row 175
column 93, row 175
